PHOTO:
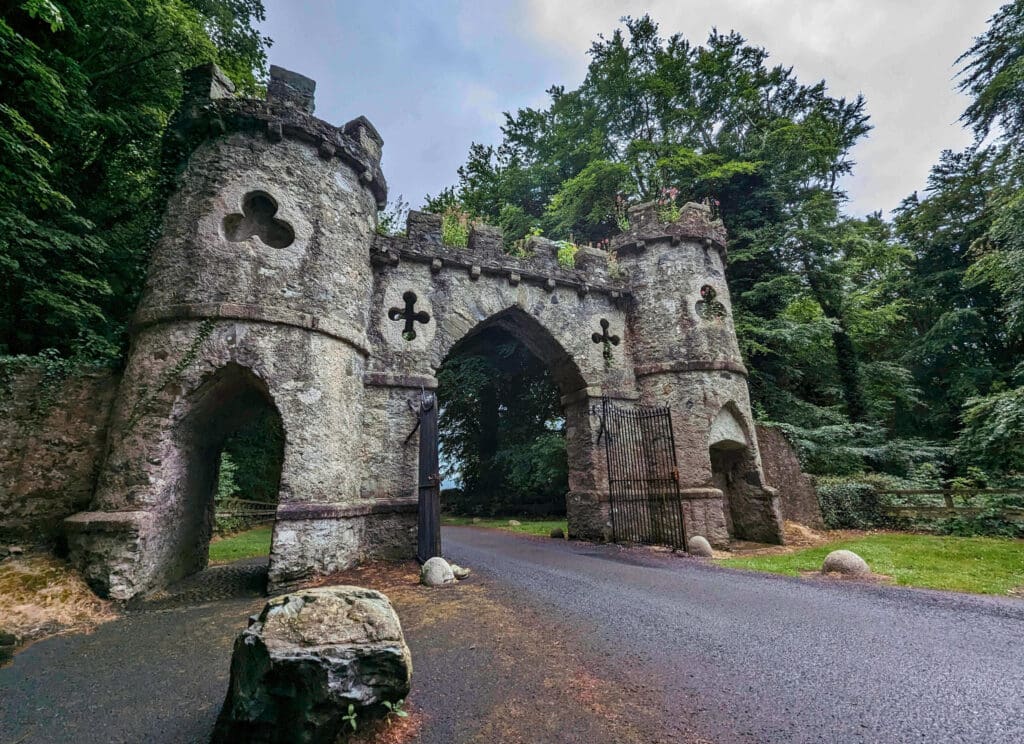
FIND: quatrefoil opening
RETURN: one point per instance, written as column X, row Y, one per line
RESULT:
column 257, row 219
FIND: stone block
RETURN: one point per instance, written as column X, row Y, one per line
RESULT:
column 305, row 658
column 291, row 89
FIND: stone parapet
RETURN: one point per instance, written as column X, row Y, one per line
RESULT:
column 647, row 223
column 210, row 111
column 485, row 255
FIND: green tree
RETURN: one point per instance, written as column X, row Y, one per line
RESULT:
column 661, row 118
column 88, row 89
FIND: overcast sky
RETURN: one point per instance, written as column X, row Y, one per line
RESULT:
column 435, row 76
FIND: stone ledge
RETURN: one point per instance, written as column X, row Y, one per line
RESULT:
column 691, row 365
column 389, row 379
column 103, row 521
column 298, row 512
column 697, row 494
column 148, row 316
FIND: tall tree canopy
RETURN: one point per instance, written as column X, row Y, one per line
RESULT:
column 88, row 89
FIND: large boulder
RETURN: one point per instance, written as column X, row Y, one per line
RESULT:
column 845, row 562
column 436, row 572
column 308, row 656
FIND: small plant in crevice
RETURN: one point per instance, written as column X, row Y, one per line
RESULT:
column 622, row 212
column 567, row 251
column 351, row 716
column 518, row 249
column 668, row 206
column 395, row 710
column 455, row 223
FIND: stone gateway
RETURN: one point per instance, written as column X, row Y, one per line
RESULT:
column 271, row 291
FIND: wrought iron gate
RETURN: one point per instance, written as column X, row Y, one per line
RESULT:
column 643, row 480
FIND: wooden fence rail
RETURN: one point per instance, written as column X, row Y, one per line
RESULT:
column 247, row 508
column 948, row 502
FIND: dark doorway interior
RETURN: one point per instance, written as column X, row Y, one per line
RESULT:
column 502, row 430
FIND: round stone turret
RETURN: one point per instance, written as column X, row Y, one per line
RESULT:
column 682, row 312
column 687, row 358
column 273, row 212
column 256, row 303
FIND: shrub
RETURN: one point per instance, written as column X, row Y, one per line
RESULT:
column 849, row 504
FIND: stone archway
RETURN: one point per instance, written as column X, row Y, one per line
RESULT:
column 224, row 403
column 734, row 472
column 515, row 325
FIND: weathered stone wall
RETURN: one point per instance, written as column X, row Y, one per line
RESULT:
column 52, row 437
column 797, row 495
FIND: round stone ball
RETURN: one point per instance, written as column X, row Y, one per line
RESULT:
column 558, row 533
column 436, row 572
column 845, row 562
column 700, row 547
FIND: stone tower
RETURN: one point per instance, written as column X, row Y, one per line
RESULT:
column 257, row 297
column 686, row 357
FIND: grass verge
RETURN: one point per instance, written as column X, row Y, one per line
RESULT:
column 982, row 565
column 528, row 525
column 249, row 544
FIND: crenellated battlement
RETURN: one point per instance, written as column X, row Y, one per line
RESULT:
column 210, row 110
column 485, row 256
column 648, row 223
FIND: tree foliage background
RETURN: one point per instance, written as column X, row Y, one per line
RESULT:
column 87, row 90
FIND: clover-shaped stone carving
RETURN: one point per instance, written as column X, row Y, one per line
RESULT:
column 708, row 307
column 257, row 218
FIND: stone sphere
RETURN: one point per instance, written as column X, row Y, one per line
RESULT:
column 558, row 533
column 845, row 562
column 700, row 547
column 436, row 572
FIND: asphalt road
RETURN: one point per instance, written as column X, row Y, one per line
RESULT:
column 758, row 658
column 556, row 641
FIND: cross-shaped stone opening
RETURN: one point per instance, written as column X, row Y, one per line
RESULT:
column 608, row 340
column 410, row 315
column 257, row 218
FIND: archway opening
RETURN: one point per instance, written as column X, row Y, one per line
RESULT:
column 232, row 442
column 731, row 460
column 502, row 427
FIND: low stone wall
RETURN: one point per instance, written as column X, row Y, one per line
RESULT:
column 798, row 498
column 52, row 436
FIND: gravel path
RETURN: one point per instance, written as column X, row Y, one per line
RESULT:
column 554, row 641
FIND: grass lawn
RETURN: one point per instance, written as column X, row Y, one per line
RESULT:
column 249, row 544
column 529, row 525
column 983, row 565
